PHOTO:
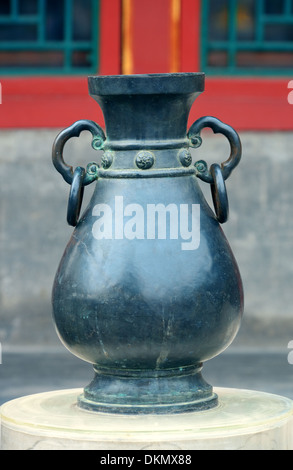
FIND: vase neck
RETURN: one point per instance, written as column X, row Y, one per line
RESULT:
column 143, row 108
column 146, row 117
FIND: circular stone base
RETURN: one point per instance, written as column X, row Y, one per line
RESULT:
column 243, row 419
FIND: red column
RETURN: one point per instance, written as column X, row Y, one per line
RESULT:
column 190, row 32
column 151, row 34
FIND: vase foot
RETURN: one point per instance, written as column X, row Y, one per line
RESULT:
column 168, row 391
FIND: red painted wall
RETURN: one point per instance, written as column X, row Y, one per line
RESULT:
column 248, row 103
column 45, row 102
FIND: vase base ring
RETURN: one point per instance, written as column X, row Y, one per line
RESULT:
column 178, row 390
column 159, row 409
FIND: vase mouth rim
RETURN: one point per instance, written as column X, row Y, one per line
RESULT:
column 152, row 83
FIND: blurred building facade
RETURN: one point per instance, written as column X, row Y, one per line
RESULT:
column 48, row 48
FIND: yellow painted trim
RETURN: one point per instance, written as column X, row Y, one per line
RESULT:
column 127, row 37
column 175, row 16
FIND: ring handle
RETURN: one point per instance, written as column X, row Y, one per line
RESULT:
column 219, row 193
column 218, row 127
column 74, row 131
column 75, row 196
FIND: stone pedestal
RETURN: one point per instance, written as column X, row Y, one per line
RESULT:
column 244, row 420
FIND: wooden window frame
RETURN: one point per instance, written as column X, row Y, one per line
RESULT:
column 59, row 51
column 256, row 103
column 57, row 101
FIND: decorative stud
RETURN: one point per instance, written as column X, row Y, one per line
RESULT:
column 144, row 160
column 107, row 159
column 185, row 157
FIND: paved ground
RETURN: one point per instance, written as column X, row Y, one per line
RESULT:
column 23, row 373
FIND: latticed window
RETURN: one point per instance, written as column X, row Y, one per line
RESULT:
column 43, row 36
column 247, row 36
